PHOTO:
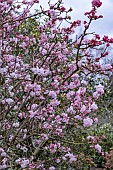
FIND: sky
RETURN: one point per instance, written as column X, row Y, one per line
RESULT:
column 102, row 26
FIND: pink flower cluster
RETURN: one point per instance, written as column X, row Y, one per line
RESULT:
column 96, row 3
column 44, row 86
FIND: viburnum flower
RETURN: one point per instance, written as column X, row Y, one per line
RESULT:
column 96, row 95
column 32, row 114
column 96, row 3
column 83, row 109
column 3, row 166
column 3, row 154
column 9, row 100
column 53, row 148
column 108, row 66
column 71, row 110
column 71, row 156
column 87, row 122
column 18, row 161
column 15, row 124
column 52, row 94
column 94, row 106
column 55, row 102
column 52, row 168
column 78, row 117
column 96, row 120
column 84, row 82
column 98, row 148
column 100, row 89
column 91, row 138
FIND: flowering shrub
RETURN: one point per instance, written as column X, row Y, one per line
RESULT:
column 104, row 135
column 46, row 102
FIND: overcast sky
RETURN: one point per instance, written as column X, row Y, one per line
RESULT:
column 102, row 26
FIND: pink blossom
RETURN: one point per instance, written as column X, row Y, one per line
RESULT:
column 91, row 138
column 95, row 95
column 4, row 166
column 100, row 89
column 71, row 156
column 9, row 100
column 55, row 102
column 70, row 94
column 87, row 122
column 81, row 91
column 53, row 147
column 73, row 159
column 78, row 117
column 3, row 154
column 83, row 109
column 1, row 150
column 58, row 161
column 96, row 3
column 94, row 106
column 105, row 38
column 52, row 168
column 108, row 66
column 84, row 82
column 32, row 114
column 52, row 94
column 96, row 120
column 98, row 148
column 18, row 161
column 72, row 85
column 71, row 110
column 44, row 52
column 15, row 124
column 24, row 163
